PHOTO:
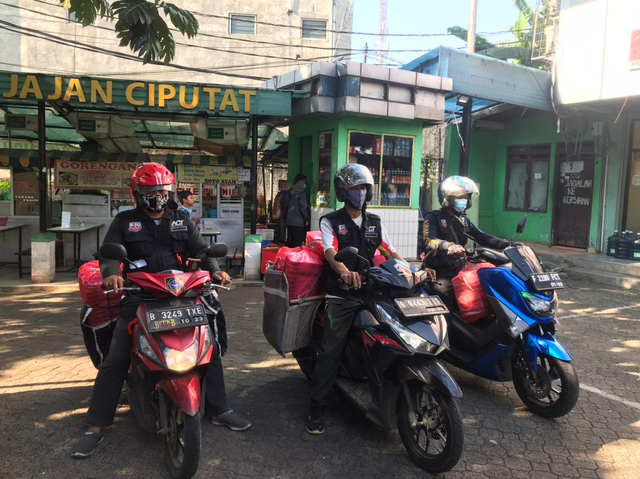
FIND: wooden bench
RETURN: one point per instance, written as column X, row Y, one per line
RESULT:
column 20, row 254
column 230, row 258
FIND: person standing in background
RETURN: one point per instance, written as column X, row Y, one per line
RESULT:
column 297, row 212
column 186, row 202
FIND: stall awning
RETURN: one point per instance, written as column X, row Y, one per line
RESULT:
column 127, row 115
column 30, row 158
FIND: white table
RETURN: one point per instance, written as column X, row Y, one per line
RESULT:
column 77, row 231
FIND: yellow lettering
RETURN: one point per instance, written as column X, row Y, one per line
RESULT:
column 212, row 96
column 57, row 82
column 14, row 87
column 74, row 88
column 229, row 98
column 31, row 86
column 152, row 94
column 194, row 98
column 165, row 92
column 129, row 93
column 96, row 89
column 247, row 99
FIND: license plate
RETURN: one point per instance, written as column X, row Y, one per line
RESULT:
column 546, row 281
column 428, row 306
column 175, row 318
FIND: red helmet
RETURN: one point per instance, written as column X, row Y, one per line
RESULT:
column 150, row 177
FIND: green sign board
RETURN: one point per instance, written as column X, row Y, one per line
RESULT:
column 143, row 96
column 88, row 126
column 21, row 122
column 215, row 133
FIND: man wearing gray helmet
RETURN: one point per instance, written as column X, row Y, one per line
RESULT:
column 348, row 226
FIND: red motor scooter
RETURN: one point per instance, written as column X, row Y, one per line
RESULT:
column 172, row 344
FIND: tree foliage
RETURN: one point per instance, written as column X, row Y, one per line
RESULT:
column 140, row 24
column 518, row 50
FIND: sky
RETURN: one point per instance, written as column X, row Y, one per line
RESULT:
column 430, row 16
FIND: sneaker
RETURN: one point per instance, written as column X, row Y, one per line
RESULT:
column 86, row 445
column 232, row 421
column 315, row 423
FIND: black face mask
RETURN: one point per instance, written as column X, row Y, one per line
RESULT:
column 155, row 203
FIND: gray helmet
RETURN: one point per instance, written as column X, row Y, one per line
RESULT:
column 352, row 175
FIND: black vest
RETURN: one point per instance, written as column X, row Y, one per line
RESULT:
column 367, row 239
column 450, row 230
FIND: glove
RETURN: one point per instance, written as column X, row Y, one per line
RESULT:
column 455, row 250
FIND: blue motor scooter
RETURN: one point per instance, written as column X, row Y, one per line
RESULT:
column 516, row 342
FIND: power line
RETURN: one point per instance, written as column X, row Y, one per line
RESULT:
column 345, row 32
column 82, row 46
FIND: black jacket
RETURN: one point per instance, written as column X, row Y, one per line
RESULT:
column 367, row 239
column 440, row 229
column 161, row 247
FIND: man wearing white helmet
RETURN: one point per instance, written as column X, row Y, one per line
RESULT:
column 445, row 233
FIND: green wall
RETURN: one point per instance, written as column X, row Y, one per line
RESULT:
column 340, row 126
column 488, row 166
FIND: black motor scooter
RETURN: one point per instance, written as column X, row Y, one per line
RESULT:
column 389, row 367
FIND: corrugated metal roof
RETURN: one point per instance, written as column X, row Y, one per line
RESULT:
column 488, row 80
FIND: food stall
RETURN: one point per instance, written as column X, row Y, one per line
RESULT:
column 220, row 190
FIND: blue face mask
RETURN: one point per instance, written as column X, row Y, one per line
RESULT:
column 356, row 198
column 460, row 205
column 304, row 187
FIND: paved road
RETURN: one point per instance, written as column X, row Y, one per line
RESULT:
column 46, row 378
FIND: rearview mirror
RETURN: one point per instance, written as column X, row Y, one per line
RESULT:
column 521, row 225
column 346, row 254
column 113, row 251
column 217, row 250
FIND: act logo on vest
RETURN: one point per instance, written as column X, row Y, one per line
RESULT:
column 342, row 229
column 135, row 226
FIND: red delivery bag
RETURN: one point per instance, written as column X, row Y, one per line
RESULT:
column 472, row 300
column 313, row 236
column 378, row 258
column 303, row 268
column 269, row 255
column 104, row 307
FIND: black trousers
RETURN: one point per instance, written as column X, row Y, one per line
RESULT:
column 113, row 372
column 339, row 314
column 445, row 291
column 296, row 236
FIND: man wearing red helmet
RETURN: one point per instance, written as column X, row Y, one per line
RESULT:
column 156, row 237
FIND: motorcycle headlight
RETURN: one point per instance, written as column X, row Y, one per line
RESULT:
column 206, row 341
column 145, row 348
column 413, row 341
column 181, row 360
column 540, row 306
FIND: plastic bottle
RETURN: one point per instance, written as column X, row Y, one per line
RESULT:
column 635, row 255
column 612, row 243
column 622, row 249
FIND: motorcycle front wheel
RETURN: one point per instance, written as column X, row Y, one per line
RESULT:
column 431, row 429
column 183, row 443
column 552, row 391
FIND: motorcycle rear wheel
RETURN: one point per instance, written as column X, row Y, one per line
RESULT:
column 434, row 417
column 183, row 444
column 553, row 392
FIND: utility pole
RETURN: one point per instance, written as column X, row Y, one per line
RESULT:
column 366, row 51
column 471, row 32
column 467, row 103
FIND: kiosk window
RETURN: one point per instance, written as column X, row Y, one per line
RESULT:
column 324, row 169
column 390, row 160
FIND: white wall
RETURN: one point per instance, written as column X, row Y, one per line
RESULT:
column 592, row 54
column 402, row 226
column 24, row 53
